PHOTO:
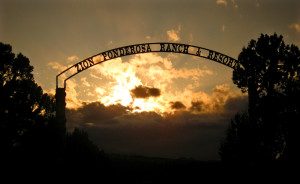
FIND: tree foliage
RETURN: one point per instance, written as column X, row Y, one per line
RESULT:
column 269, row 70
column 23, row 105
column 30, row 135
column 80, row 151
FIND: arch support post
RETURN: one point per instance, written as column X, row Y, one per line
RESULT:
column 60, row 97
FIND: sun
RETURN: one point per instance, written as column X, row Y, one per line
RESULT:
column 152, row 74
column 123, row 78
column 150, row 104
column 120, row 92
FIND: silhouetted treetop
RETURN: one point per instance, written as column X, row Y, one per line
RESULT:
column 269, row 70
column 265, row 62
column 23, row 105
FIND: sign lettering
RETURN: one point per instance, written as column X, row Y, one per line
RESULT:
column 174, row 47
column 124, row 51
column 84, row 64
column 221, row 58
column 153, row 47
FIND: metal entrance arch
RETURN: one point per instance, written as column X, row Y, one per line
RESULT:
column 131, row 50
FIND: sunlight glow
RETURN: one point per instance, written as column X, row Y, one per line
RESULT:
column 150, row 104
column 119, row 93
column 154, row 72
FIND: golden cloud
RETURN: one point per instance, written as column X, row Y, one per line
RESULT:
column 72, row 58
column 152, row 68
column 295, row 26
column 57, row 66
column 71, row 95
column 221, row 2
column 173, row 34
column 84, row 82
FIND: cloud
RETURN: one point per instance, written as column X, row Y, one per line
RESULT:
column 157, row 71
column 174, row 34
column 198, row 106
column 224, row 2
column 100, row 91
column 221, row 2
column 71, row 95
column 57, row 66
column 94, row 113
column 187, row 73
column 214, row 103
column 234, row 4
column 145, row 92
column 191, row 132
column 72, row 58
column 177, row 105
column 84, row 82
column 236, row 103
column 223, row 28
column 295, row 26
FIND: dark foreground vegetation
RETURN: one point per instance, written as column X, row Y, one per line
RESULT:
column 261, row 144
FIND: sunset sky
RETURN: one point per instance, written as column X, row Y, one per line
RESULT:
column 152, row 104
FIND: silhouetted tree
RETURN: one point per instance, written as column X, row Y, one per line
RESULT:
column 26, row 113
column 236, row 146
column 269, row 70
column 83, row 156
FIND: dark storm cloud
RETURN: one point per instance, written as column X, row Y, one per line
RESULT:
column 94, row 113
column 234, row 104
column 222, row 100
column 144, row 92
column 177, row 105
column 116, row 129
column 198, row 106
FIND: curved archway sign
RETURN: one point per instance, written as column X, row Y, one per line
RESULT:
column 147, row 48
column 131, row 50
